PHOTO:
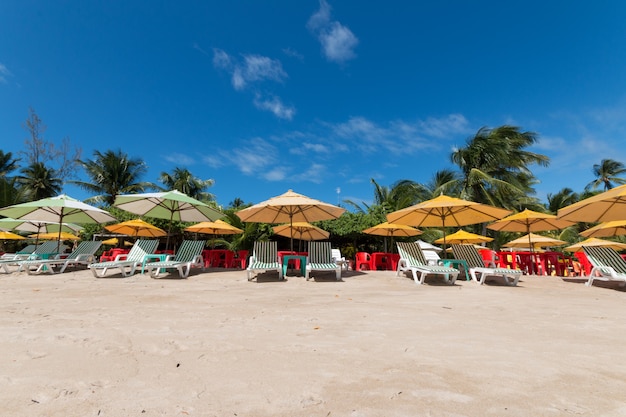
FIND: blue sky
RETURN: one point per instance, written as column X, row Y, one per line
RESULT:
column 318, row 97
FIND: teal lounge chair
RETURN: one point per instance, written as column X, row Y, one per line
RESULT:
column 477, row 269
column 126, row 263
column 412, row 259
column 84, row 254
column 189, row 255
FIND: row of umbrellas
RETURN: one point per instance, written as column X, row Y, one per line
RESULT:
column 293, row 208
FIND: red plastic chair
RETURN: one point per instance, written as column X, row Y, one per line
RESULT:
column 240, row 261
column 584, row 262
column 363, row 261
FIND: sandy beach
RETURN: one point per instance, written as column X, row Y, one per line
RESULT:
column 371, row 345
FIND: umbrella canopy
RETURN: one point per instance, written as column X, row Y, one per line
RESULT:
column 288, row 208
column 533, row 240
column 136, row 227
column 301, row 231
column 592, row 241
column 607, row 206
column 218, row 227
column 55, row 236
column 392, row 229
column 614, row 228
column 4, row 235
column 57, row 209
column 445, row 211
column 529, row 221
column 465, row 237
column 37, row 226
column 111, row 242
column 172, row 205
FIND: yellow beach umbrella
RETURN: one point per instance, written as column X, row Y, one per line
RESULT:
column 465, row 237
column 288, row 208
column 111, row 242
column 604, row 207
column 301, row 231
column 55, row 236
column 4, row 235
column 592, row 241
column 392, row 229
column 533, row 240
column 135, row 228
column 445, row 211
column 613, row 228
column 218, row 227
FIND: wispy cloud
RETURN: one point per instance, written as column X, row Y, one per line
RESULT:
column 180, row 159
column 4, row 73
column 250, row 69
column 275, row 105
column 337, row 40
column 290, row 52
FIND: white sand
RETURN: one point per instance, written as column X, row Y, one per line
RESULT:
column 371, row 345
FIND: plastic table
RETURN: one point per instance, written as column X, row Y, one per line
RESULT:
column 453, row 263
column 302, row 260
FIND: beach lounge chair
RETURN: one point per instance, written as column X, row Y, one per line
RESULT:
column 126, row 263
column 264, row 258
column 43, row 251
column 607, row 264
column 477, row 269
column 412, row 259
column 188, row 255
column 321, row 259
column 21, row 254
column 84, row 254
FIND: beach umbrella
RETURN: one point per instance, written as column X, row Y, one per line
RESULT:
column 136, row 228
column 533, row 240
column 5, row 235
column 593, row 241
column 604, row 207
column 465, row 237
column 528, row 221
column 301, row 231
column 170, row 205
column 55, row 236
column 387, row 229
column 37, row 226
column 445, row 211
column 288, row 208
column 218, row 227
column 57, row 209
column 613, row 228
column 111, row 242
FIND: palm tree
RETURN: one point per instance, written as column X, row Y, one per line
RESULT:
column 495, row 166
column 184, row 181
column 37, row 181
column 445, row 181
column 565, row 197
column 401, row 194
column 606, row 173
column 7, row 164
column 111, row 174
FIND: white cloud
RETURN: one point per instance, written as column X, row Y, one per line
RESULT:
column 274, row 105
column 444, row 127
column 4, row 73
column 252, row 68
column 180, row 159
column 337, row 40
column 338, row 43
